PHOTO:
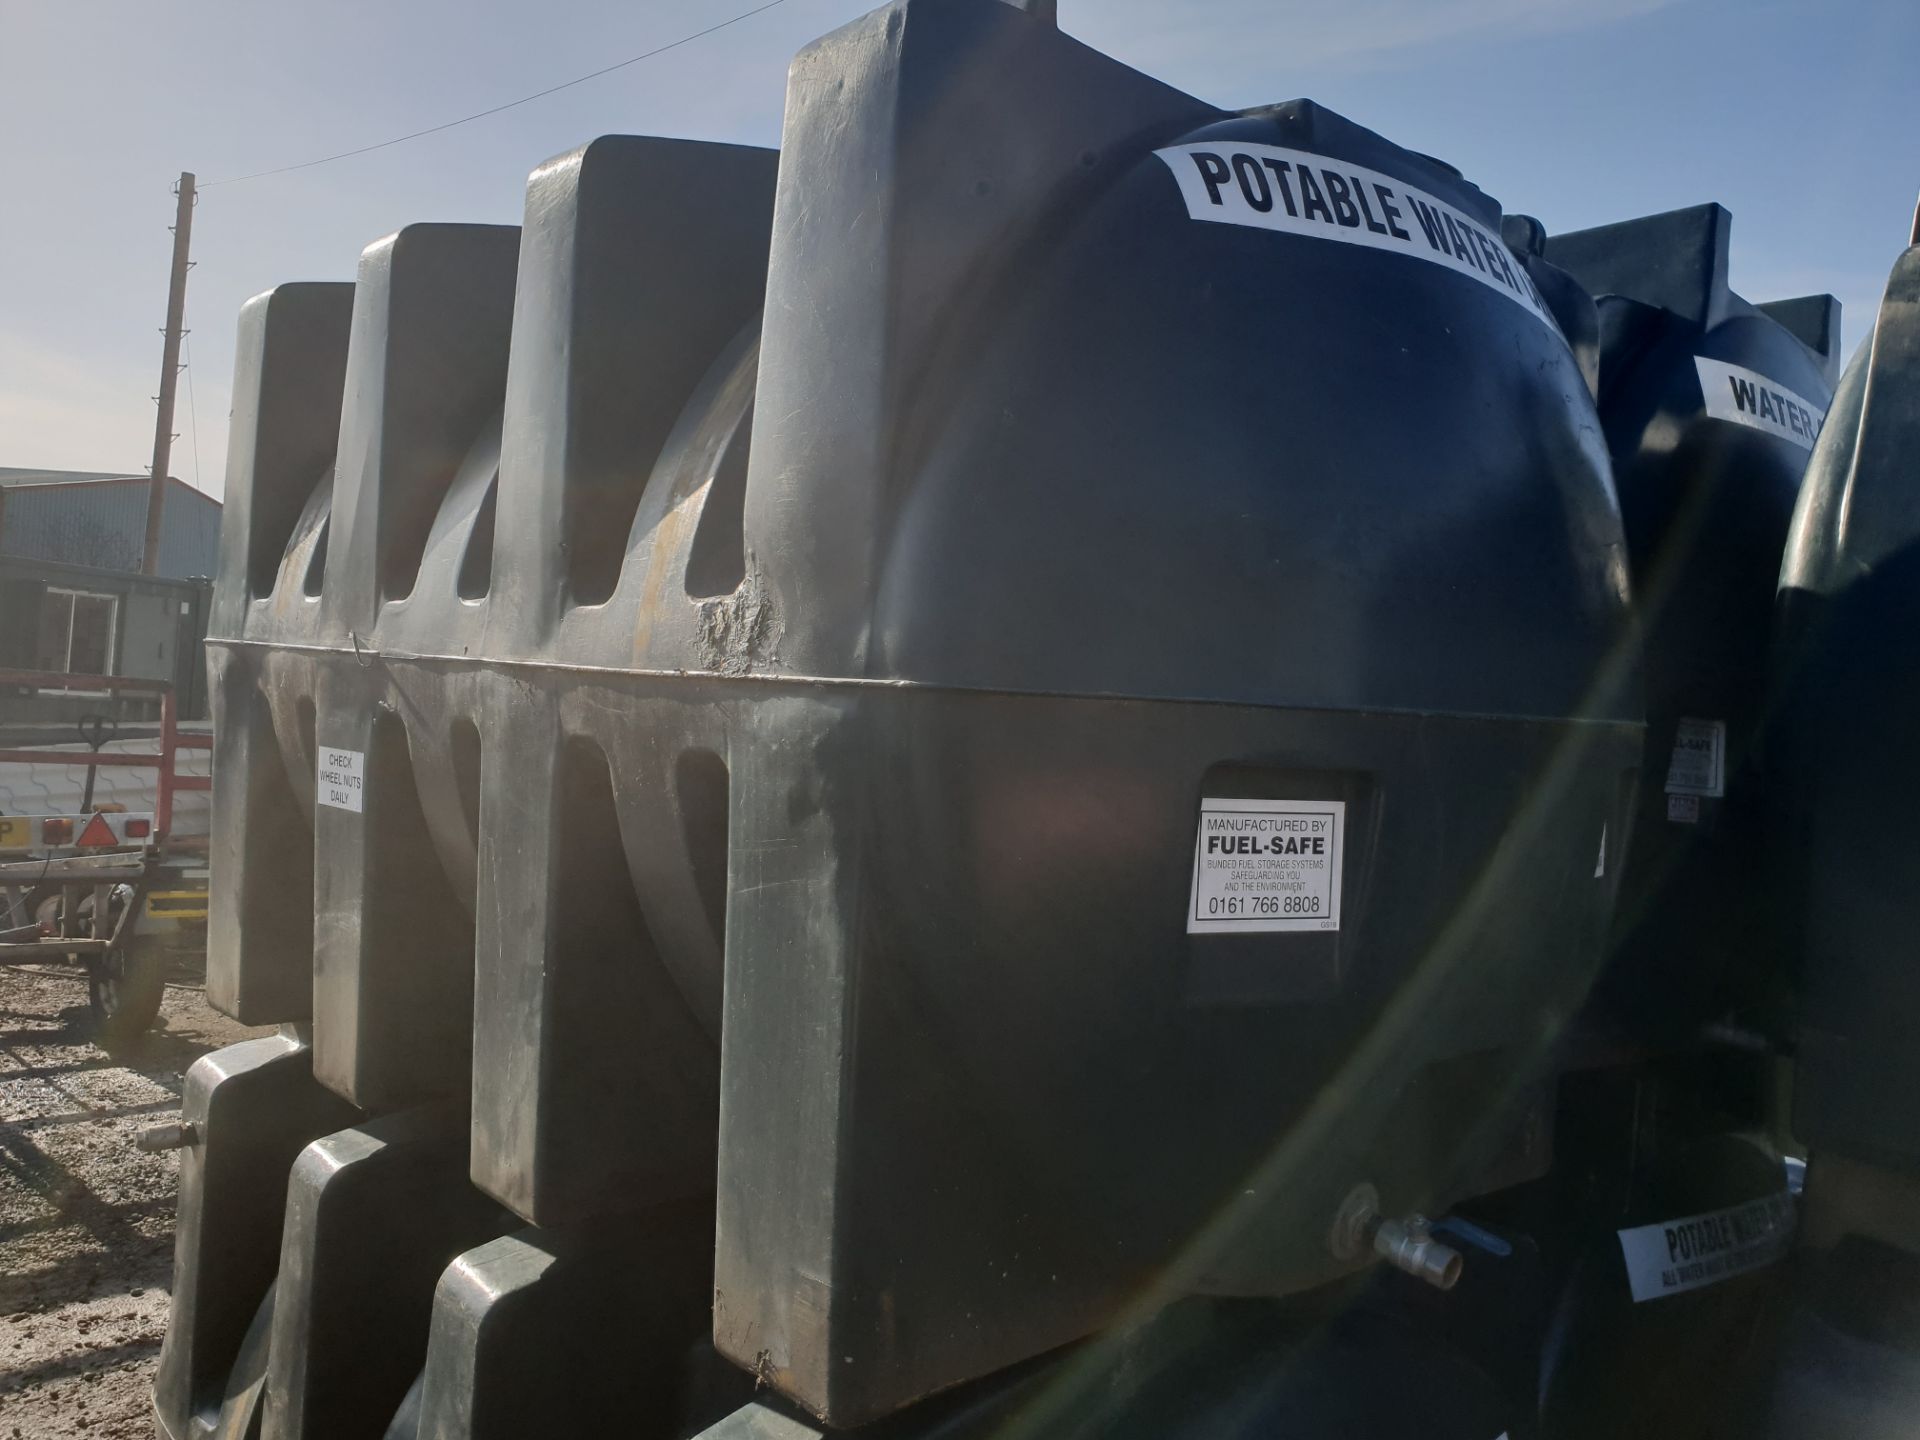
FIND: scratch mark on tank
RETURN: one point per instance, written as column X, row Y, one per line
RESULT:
column 741, row 630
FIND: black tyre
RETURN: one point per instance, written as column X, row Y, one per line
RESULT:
column 123, row 991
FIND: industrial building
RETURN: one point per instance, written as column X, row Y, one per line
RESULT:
column 100, row 520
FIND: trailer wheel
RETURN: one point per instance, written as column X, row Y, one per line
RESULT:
column 123, row 992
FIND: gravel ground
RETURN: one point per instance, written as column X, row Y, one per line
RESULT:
column 86, row 1220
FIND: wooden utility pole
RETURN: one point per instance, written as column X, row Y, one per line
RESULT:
column 169, row 371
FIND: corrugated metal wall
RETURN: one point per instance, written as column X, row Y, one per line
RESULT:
column 189, row 534
column 104, row 523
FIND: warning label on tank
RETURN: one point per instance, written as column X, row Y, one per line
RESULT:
column 1267, row 865
column 1749, row 398
column 1699, row 763
column 342, row 781
column 1298, row 193
column 1679, row 1255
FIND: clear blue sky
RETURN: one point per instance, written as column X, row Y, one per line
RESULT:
column 1800, row 117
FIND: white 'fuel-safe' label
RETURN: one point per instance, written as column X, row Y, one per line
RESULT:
column 1699, row 763
column 342, row 781
column 1233, row 182
column 1747, row 397
column 1267, row 865
column 1680, row 1255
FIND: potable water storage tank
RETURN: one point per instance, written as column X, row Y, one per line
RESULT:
column 1711, row 407
column 1205, row 790
column 1040, row 707
column 1843, row 1353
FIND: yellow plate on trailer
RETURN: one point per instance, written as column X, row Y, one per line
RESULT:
column 16, row 832
column 177, row 904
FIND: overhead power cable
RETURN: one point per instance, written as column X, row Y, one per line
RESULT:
column 509, row 105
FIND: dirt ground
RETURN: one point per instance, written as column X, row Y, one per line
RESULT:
column 86, row 1220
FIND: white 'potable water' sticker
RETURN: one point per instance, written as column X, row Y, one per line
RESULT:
column 1266, row 865
column 342, row 780
column 1683, row 809
column 1679, row 1255
column 1699, row 763
column 1746, row 397
column 1266, row 187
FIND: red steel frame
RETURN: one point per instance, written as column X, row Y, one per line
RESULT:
column 172, row 741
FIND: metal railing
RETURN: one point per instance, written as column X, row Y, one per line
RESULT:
column 172, row 740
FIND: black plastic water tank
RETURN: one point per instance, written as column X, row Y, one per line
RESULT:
column 1844, row 751
column 1184, row 767
column 1711, row 407
column 1839, row 1351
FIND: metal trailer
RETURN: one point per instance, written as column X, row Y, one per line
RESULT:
column 85, row 892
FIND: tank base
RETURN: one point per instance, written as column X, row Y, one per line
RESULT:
column 579, row 1332
column 251, row 1109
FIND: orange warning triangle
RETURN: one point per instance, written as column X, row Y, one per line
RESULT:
column 97, row 833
